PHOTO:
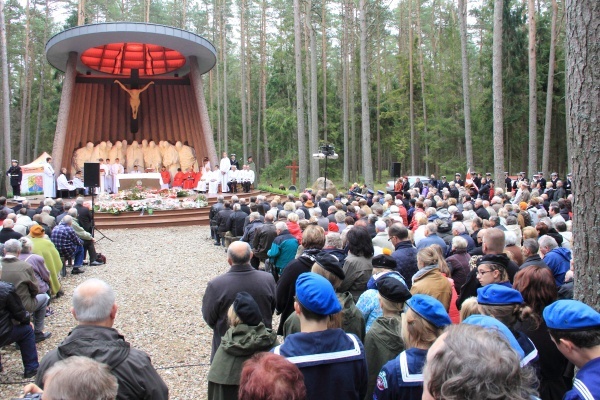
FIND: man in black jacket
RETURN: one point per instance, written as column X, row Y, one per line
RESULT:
column 95, row 309
column 84, row 215
column 221, row 223
column 212, row 216
column 530, row 250
column 11, row 308
column 263, row 239
column 235, row 225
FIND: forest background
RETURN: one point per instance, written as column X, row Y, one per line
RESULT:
column 383, row 81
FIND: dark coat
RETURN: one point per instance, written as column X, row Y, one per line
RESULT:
column 9, row 233
column 533, row 260
column 221, row 291
column 406, row 260
column 459, row 267
column 235, row 223
column 133, row 369
column 222, row 219
column 11, row 308
column 214, row 210
column 263, row 240
column 84, row 216
column 482, row 213
column 286, row 286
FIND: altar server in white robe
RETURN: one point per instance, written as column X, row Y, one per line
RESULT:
column 224, row 167
column 115, row 170
column 105, row 176
column 233, row 178
column 49, row 187
column 247, row 178
column 214, row 178
column 204, row 179
column 62, row 182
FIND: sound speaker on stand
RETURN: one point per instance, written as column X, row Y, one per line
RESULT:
column 396, row 167
column 91, row 174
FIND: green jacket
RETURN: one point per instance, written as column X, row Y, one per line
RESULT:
column 237, row 345
column 382, row 344
column 80, row 232
column 45, row 248
column 352, row 319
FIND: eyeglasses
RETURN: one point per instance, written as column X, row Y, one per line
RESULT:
column 482, row 273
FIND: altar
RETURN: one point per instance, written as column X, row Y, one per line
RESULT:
column 145, row 180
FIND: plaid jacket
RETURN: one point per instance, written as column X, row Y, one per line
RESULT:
column 65, row 240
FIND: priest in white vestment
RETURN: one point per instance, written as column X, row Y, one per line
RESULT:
column 233, row 179
column 115, row 170
column 214, row 178
column 224, row 167
column 49, row 187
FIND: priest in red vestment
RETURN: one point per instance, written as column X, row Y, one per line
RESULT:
column 165, row 178
column 178, row 179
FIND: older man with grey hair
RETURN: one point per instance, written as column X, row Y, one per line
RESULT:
column 86, row 237
column 48, row 219
column 8, row 231
column 20, row 274
column 95, row 310
column 251, row 228
column 431, row 238
column 530, row 250
column 381, row 238
column 557, row 258
column 458, row 229
column 68, row 243
column 222, row 290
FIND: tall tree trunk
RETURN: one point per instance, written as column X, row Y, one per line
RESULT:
column 218, row 12
column 462, row 16
column 367, row 158
column 183, row 13
column 324, row 64
column 351, row 104
column 550, row 92
column 314, row 110
column 243, row 79
column 24, row 90
column 344, row 54
column 378, row 100
column 533, row 163
column 422, row 70
column 497, row 92
column 413, row 135
column 38, row 127
column 224, row 52
column 147, row 10
column 583, row 113
column 263, row 80
column 81, row 12
column 300, row 97
column 5, row 90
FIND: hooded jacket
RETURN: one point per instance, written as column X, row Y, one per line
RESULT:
column 559, row 262
column 283, row 249
column 237, row 345
column 383, row 343
column 430, row 281
column 133, row 369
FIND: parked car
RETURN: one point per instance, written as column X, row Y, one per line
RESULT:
column 411, row 180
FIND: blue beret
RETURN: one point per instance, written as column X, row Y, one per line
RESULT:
column 571, row 315
column 392, row 289
column 429, row 309
column 492, row 323
column 371, row 191
column 498, row 295
column 316, row 294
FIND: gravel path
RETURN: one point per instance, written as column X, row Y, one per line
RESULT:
column 159, row 277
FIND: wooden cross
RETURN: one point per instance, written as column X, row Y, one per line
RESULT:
column 294, row 169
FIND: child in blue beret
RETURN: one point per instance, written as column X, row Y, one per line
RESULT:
column 507, row 306
column 423, row 321
column 332, row 361
column 575, row 329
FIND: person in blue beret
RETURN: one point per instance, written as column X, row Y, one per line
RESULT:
column 507, row 306
column 575, row 329
column 423, row 321
column 332, row 361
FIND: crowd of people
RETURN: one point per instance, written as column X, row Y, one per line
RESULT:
column 441, row 290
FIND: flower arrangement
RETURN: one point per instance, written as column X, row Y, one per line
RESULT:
column 139, row 199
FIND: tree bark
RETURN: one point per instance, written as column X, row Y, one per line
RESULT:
column 147, row 10
column 5, row 89
column 411, row 89
column 66, row 99
column 198, row 86
column 263, row 79
column 24, row 90
column 497, row 92
column 533, row 159
column 243, row 79
column 344, row 54
column 550, row 92
column 462, row 16
column 422, row 71
column 324, row 64
column 583, row 113
column 314, row 106
column 224, row 53
column 81, row 12
column 302, row 175
column 367, row 158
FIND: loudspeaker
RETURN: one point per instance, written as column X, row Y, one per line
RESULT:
column 91, row 174
column 396, row 167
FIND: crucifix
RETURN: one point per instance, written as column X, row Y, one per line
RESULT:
column 134, row 96
column 294, row 169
